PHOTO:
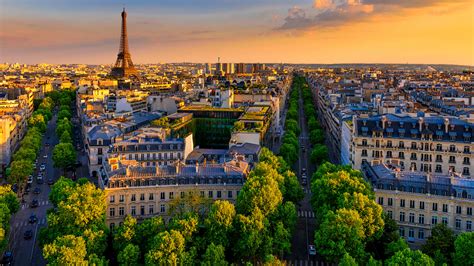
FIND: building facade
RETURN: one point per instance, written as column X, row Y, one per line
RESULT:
column 419, row 201
column 436, row 145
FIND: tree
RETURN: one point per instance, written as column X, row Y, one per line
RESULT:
column 464, row 246
column 378, row 245
column 146, row 231
column 129, row 255
column 281, row 239
column 249, row 235
column 442, row 239
column 187, row 225
column 260, row 192
column 409, row 257
column 341, row 232
column 8, row 197
column 289, row 153
column 62, row 126
column 167, row 249
column 65, row 138
column 125, row 233
column 347, row 260
column 219, row 223
column 64, row 155
column 61, row 190
column 319, row 154
column 395, row 246
column 316, row 136
column 66, row 250
column 214, row 256
column 292, row 125
column 293, row 191
column 64, row 114
column 38, row 121
column 20, row 170
column 25, row 153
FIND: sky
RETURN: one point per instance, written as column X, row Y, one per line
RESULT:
column 266, row 31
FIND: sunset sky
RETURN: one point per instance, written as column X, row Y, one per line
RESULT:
column 289, row 31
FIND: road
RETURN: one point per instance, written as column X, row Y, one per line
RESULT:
column 27, row 252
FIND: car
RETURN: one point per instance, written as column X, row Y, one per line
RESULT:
column 33, row 219
column 34, row 203
column 27, row 189
column 34, row 166
column 303, row 149
column 304, row 181
column 15, row 188
column 312, row 250
column 43, row 167
column 50, row 181
column 303, row 170
column 28, row 234
column 46, row 145
column 30, row 179
column 37, row 191
column 45, row 156
column 7, row 258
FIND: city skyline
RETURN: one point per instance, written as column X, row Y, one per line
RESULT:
column 325, row 31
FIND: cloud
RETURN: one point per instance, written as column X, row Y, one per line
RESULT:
column 333, row 13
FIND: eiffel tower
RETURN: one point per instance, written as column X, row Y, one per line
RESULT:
column 123, row 67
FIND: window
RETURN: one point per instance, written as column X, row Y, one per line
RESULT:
column 389, row 144
column 413, row 156
column 381, row 200
column 439, row 168
column 466, row 149
column 466, row 160
column 364, row 142
column 133, row 211
column 444, row 220
column 402, row 216
column 421, row 219
column 171, row 195
column 99, row 151
column 412, row 204
column 162, row 195
column 142, row 210
column 151, row 209
column 411, row 218
column 452, row 159
column 411, row 233
column 422, row 205
column 162, row 208
column 452, row 148
column 202, row 194
column 142, row 196
column 458, row 224
column 229, row 194
column 390, row 201
column 401, row 231
column 151, row 196
column 435, row 206
column 434, row 220
column 364, row 153
column 421, row 234
column 402, row 203
column 389, row 154
column 121, row 211
column 468, row 225
column 458, row 209
column 445, row 207
column 219, row 194
column 401, row 155
column 112, row 212
column 121, row 198
column 469, row 210
column 413, row 145
column 390, row 214
column 439, row 147
column 439, row 158
column 182, row 194
column 112, row 198
column 210, row 194
column 112, row 226
column 132, row 198
column 465, row 171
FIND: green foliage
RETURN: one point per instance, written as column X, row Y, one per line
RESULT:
column 260, row 192
column 341, row 232
column 319, row 154
column 20, row 170
column 64, row 114
column 37, row 120
column 219, row 223
column 26, row 154
column 409, row 257
column 347, row 260
column 60, row 190
column 292, row 188
column 316, row 136
column 292, row 125
column 214, row 256
column 8, row 205
column 129, row 256
column 63, row 125
column 66, row 250
column 167, row 249
column 464, row 246
column 65, row 138
column 378, row 245
column 442, row 238
column 64, row 155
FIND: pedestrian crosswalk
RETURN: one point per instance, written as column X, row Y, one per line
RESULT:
column 40, row 203
column 306, row 214
column 26, row 223
column 308, row 263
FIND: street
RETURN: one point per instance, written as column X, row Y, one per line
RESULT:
column 27, row 251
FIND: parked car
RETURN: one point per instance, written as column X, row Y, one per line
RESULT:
column 50, row 181
column 30, row 179
column 43, row 167
column 312, row 250
column 37, row 191
column 33, row 219
column 7, row 258
column 304, row 181
column 34, row 203
column 28, row 234
column 46, row 155
column 15, row 188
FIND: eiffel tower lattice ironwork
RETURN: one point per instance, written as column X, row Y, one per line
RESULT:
column 124, row 66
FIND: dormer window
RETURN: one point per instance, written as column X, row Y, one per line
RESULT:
column 100, row 142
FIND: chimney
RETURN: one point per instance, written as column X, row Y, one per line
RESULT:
column 178, row 167
column 197, row 167
column 157, row 170
column 420, row 121
column 446, row 125
column 128, row 172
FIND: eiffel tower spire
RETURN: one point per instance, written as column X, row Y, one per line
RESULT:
column 124, row 66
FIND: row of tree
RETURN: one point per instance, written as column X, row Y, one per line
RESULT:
column 64, row 154
column 289, row 149
column 319, row 151
column 24, row 158
column 257, row 229
column 9, row 204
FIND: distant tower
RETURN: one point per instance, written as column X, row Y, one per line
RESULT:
column 124, row 66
